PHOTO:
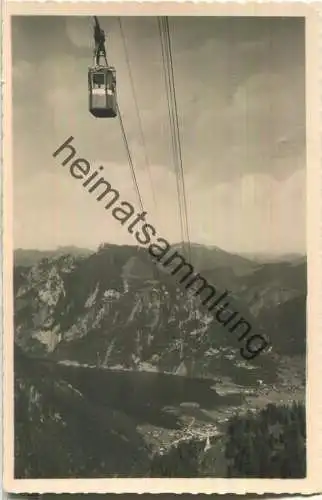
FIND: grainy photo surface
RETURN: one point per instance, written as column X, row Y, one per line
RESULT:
column 159, row 253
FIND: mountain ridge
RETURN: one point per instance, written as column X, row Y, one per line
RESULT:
column 108, row 294
column 110, row 344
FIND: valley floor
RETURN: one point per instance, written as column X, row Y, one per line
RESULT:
column 200, row 423
column 154, row 413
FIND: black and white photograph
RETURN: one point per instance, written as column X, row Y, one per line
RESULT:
column 161, row 295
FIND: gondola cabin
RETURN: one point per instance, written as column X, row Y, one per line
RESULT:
column 102, row 91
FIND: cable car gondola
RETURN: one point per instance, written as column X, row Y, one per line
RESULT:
column 101, row 80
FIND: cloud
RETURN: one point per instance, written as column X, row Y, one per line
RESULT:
column 254, row 211
column 250, row 212
column 240, row 99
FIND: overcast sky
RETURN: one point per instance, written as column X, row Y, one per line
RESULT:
column 240, row 85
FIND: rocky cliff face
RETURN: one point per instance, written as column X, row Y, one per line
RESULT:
column 116, row 308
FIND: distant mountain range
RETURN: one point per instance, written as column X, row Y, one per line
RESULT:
column 115, row 306
column 264, row 257
column 202, row 256
column 105, row 341
column 30, row 257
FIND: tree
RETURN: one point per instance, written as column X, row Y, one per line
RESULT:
column 271, row 443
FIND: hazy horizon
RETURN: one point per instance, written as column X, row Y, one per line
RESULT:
column 94, row 249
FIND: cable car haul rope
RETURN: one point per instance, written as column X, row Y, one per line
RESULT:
column 103, row 104
column 147, row 163
column 165, row 39
column 102, row 94
column 137, row 189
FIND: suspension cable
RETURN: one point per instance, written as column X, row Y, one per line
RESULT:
column 174, row 126
column 99, row 37
column 176, row 120
column 171, row 119
column 147, row 163
column 130, row 159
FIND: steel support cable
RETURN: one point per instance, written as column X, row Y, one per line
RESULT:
column 128, row 152
column 172, row 112
column 185, row 210
column 96, row 22
column 165, row 54
column 176, row 135
column 171, row 119
column 174, row 123
column 147, row 163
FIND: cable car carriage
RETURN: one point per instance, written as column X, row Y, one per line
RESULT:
column 102, row 91
column 101, row 80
